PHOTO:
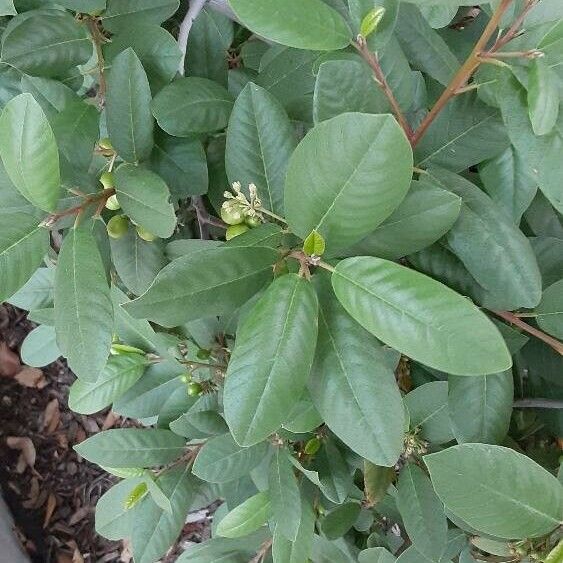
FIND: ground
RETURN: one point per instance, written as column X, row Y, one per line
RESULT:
column 51, row 491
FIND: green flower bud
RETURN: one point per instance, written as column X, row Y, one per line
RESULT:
column 253, row 221
column 194, row 389
column 117, row 226
column 144, row 234
column 232, row 214
column 107, row 180
column 312, row 446
column 112, row 203
column 235, row 230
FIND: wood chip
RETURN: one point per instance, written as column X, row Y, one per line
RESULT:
column 26, row 447
column 110, row 420
column 31, row 377
column 51, row 505
column 9, row 361
column 52, row 416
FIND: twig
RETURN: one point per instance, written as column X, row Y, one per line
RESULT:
column 464, row 73
column 98, row 39
column 513, row 30
column 99, row 198
column 516, row 321
column 538, row 404
column 261, row 553
column 185, row 27
column 373, row 61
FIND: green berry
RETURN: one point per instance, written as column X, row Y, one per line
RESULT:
column 117, row 226
column 105, row 144
column 194, row 389
column 144, row 234
column 112, row 203
column 253, row 222
column 232, row 215
column 203, row 354
column 312, row 446
column 107, row 180
column 235, row 230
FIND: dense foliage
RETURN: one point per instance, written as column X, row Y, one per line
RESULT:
column 322, row 264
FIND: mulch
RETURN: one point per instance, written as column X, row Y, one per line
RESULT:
column 50, row 490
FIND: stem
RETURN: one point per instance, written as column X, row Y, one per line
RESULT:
column 185, row 27
column 261, row 554
column 538, row 404
column 513, row 319
column 373, row 61
column 326, row 266
column 98, row 38
column 272, row 215
column 513, row 30
column 463, row 74
column 100, row 198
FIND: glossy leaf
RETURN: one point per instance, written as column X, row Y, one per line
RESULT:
column 271, row 360
column 422, row 512
column 121, row 14
column 40, row 347
column 45, row 43
column 543, row 97
column 260, row 141
column 352, row 386
column 480, row 407
column 339, row 520
column 83, row 308
column 192, row 105
column 29, row 152
column 550, row 310
column 303, row 24
column 496, row 490
column 286, row 551
column 128, row 112
column 246, row 518
column 376, row 555
column 399, row 307
column 144, row 196
column 222, row 460
column 23, row 243
column 346, row 176
column 203, row 284
column 132, row 447
column 119, row 374
column 37, row 293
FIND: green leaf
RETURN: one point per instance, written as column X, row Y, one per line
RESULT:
column 276, row 342
column 23, row 243
column 284, row 494
column 347, row 175
column 492, row 248
column 426, row 213
column 260, row 141
column 83, row 6
column 398, row 306
column 246, row 518
column 222, row 460
column 157, row 494
column 424, row 48
column 208, row 43
column 40, row 347
column 120, row 15
column 128, row 108
column 550, row 310
column 29, row 152
column 53, row 96
column 7, row 8
column 497, row 490
column 314, row 244
column 192, row 105
column 549, row 254
column 428, row 409
column 352, row 386
column 202, row 419
column 481, row 407
column 136, row 261
column 155, row 530
column 339, row 520
column 157, row 50
column 465, row 133
column 543, row 97
column 45, row 43
column 144, row 196
column 132, row 447
column 204, row 284
column 83, row 308
column 422, row 512
column 359, row 9
column 304, row 417
column 120, row 373
column 37, row 293
column 510, row 182
column 303, row 24
column 113, row 520
column 286, row 551
column 181, row 164
column 377, row 479
column 376, row 555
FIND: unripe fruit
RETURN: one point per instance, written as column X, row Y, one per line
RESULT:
column 145, row 235
column 105, row 144
column 194, row 389
column 107, row 180
column 117, row 226
column 312, row 446
column 235, row 230
column 232, row 215
column 112, row 203
column 253, row 221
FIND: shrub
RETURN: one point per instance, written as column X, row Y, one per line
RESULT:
column 354, row 365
